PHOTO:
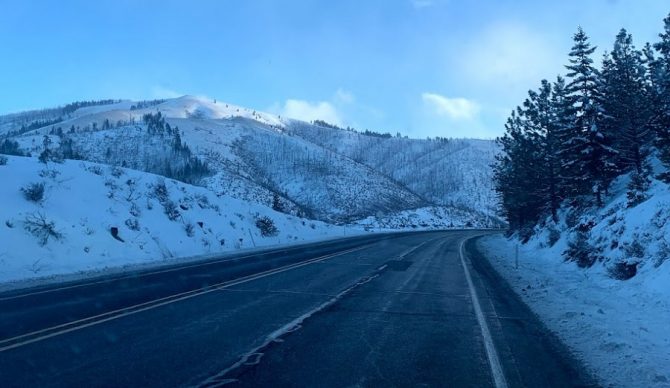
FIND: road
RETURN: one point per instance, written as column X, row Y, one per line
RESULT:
column 413, row 309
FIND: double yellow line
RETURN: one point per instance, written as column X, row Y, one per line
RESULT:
column 43, row 334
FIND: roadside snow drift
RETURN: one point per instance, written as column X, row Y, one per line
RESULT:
column 619, row 329
column 93, row 216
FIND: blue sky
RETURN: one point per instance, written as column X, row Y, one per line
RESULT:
column 422, row 67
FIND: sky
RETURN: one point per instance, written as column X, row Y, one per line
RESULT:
column 444, row 68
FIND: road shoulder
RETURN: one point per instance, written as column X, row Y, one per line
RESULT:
column 531, row 354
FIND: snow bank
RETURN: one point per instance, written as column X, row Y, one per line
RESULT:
column 618, row 328
column 157, row 219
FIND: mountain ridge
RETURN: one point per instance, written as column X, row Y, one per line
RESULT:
column 257, row 156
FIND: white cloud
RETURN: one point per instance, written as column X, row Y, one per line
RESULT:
column 330, row 110
column 452, row 108
column 163, row 92
column 310, row 111
column 344, row 96
column 455, row 117
column 511, row 55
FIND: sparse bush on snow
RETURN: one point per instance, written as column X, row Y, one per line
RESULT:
column 3, row 160
column 133, row 193
column 116, row 171
column 97, row 170
column 623, row 270
column 266, row 226
column 160, row 191
column 39, row 226
column 202, row 201
column 135, row 210
column 171, row 210
column 581, row 251
column 33, row 192
column 189, row 229
column 133, row 224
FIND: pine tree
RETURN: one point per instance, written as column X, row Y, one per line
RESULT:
column 176, row 143
column 276, row 203
column 660, row 71
column 516, row 172
column 627, row 104
column 588, row 158
column 45, row 155
column 563, row 117
column 542, row 130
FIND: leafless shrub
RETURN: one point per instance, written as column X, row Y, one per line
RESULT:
column 190, row 229
column 42, row 228
column 34, row 192
column 133, row 224
column 135, row 210
column 116, row 171
column 97, row 170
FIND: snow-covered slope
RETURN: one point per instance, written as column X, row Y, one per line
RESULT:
column 614, row 314
column 204, row 108
column 443, row 171
column 430, row 218
column 70, row 228
column 329, row 174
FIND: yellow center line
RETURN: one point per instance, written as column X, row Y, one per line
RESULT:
column 126, row 311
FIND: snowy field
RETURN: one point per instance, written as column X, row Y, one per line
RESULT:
column 69, row 230
column 620, row 329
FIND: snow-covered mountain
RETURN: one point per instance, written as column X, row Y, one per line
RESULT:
column 102, row 184
column 317, row 171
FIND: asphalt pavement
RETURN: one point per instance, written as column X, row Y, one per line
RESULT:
column 405, row 310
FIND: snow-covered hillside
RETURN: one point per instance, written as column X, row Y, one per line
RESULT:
column 621, row 239
column 430, row 218
column 615, row 313
column 324, row 173
column 69, row 227
column 443, row 171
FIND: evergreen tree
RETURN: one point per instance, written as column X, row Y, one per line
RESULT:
column 276, row 203
column 563, row 117
column 10, row 147
column 541, row 129
column 516, row 172
column 660, row 71
column 176, row 143
column 588, row 158
column 569, row 140
column 45, row 155
column 627, row 106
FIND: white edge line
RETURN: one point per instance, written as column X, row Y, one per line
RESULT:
column 491, row 353
column 170, row 299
